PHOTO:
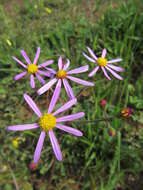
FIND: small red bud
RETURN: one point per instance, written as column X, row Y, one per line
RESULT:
column 33, row 166
column 111, row 132
column 103, row 103
column 126, row 112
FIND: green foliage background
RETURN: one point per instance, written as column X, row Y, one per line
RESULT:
column 65, row 27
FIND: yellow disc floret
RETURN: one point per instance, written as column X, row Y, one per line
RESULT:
column 47, row 122
column 61, row 74
column 32, row 68
column 102, row 62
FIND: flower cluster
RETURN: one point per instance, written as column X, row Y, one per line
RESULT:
column 50, row 120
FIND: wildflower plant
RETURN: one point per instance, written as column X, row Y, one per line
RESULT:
column 50, row 120
column 63, row 75
column 32, row 68
column 47, row 122
column 107, row 145
column 104, row 64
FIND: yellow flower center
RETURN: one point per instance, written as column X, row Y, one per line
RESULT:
column 47, row 121
column 102, row 62
column 61, row 74
column 32, row 68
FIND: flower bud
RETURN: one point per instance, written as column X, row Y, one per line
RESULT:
column 126, row 112
column 103, row 103
column 111, row 132
column 15, row 142
column 33, row 166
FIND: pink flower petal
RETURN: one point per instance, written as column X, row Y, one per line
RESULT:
column 70, row 117
column 21, row 75
column 66, row 106
column 105, row 73
column 55, row 145
column 89, row 58
column 45, row 64
column 32, row 82
column 78, row 70
column 32, row 104
column 55, row 96
column 25, row 56
column 115, row 60
column 66, row 66
column 92, row 53
column 18, row 61
column 36, row 56
column 68, row 89
column 46, row 86
column 114, row 74
column 40, row 78
column 79, row 81
column 52, row 71
column 45, row 73
column 70, row 130
column 39, row 147
column 116, row 68
column 23, row 127
column 60, row 63
column 104, row 53
column 94, row 71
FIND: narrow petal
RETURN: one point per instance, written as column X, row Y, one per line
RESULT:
column 18, row 61
column 78, row 70
column 52, row 71
column 55, row 145
column 45, row 73
column 66, row 106
column 89, row 58
column 23, row 127
column 94, row 71
column 46, row 86
column 55, row 96
column 116, row 68
column 40, row 79
column 115, row 60
column 68, row 89
column 32, row 82
column 79, row 81
column 45, row 64
column 21, row 75
column 39, row 147
column 70, row 117
column 70, row 130
column 114, row 74
column 104, row 53
column 37, row 55
column 105, row 73
column 60, row 63
column 32, row 104
column 25, row 56
column 66, row 66
column 92, row 53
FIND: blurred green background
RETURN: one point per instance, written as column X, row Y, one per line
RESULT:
column 97, row 161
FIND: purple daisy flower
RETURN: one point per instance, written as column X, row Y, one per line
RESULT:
column 32, row 68
column 104, row 64
column 62, row 75
column 47, row 122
